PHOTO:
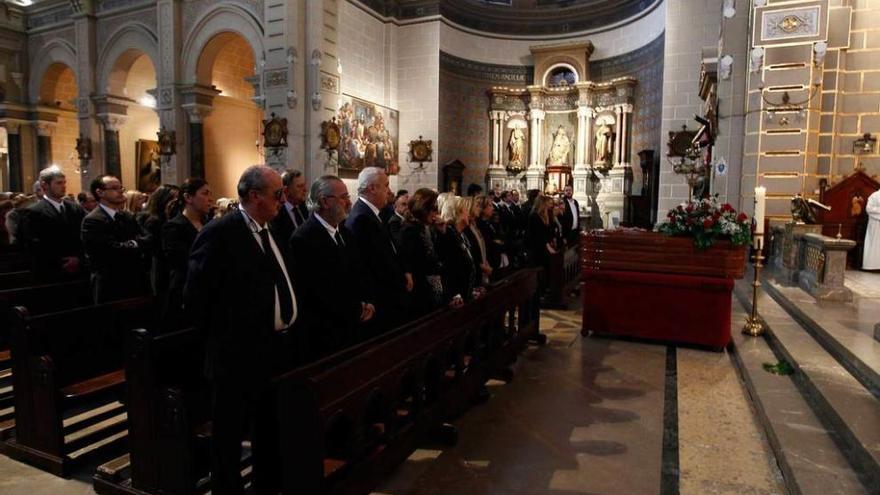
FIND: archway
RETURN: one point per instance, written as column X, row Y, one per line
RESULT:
column 232, row 130
column 131, row 77
column 56, row 144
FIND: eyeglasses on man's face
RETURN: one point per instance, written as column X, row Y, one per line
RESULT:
column 345, row 196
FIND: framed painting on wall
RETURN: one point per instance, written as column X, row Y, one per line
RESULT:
column 368, row 135
column 148, row 168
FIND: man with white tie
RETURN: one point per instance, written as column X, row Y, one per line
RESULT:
column 240, row 294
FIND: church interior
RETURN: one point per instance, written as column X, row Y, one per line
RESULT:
column 524, row 247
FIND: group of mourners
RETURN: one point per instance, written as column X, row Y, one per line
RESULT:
column 287, row 273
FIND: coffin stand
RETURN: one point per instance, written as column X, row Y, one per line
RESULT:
column 646, row 285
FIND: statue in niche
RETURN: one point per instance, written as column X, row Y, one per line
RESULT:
column 604, row 144
column 517, row 148
column 560, row 148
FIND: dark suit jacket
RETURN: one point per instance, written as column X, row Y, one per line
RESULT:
column 118, row 270
column 381, row 264
column 282, row 225
column 394, row 225
column 230, row 296
column 49, row 236
column 331, row 284
column 459, row 273
column 178, row 236
column 567, row 219
column 537, row 238
column 419, row 256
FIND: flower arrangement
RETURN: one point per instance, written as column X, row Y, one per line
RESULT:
column 705, row 220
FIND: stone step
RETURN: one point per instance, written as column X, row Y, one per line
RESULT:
column 852, row 344
column 847, row 412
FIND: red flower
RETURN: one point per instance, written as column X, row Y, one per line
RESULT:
column 708, row 223
column 742, row 217
column 726, row 207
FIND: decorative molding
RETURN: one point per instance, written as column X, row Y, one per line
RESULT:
column 791, row 23
column 329, row 83
column 276, row 78
column 61, row 14
column 505, row 74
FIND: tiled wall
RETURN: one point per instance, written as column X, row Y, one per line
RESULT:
column 690, row 25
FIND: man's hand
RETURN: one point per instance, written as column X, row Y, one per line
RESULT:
column 70, row 264
column 456, row 301
column 409, row 281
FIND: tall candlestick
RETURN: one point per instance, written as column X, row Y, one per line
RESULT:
column 760, row 199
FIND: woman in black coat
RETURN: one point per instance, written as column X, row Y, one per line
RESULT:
column 417, row 252
column 539, row 234
column 459, row 270
column 178, row 235
column 152, row 220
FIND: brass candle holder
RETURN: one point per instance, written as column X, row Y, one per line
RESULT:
column 754, row 325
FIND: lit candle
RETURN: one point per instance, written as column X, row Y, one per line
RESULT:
column 760, row 198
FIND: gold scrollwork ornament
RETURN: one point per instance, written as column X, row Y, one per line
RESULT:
column 420, row 150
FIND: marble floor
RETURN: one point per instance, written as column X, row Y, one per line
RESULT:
column 582, row 416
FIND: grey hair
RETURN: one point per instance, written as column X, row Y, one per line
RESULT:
column 321, row 188
column 49, row 174
column 288, row 176
column 368, row 177
column 253, row 179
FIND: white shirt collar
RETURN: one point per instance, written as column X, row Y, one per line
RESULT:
column 56, row 204
column 401, row 216
column 108, row 210
column 330, row 229
column 251, row 223
column 375, row 210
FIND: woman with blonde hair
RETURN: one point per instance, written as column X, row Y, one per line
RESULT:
column 459, row 271
column 479, row 249
column 539, row 234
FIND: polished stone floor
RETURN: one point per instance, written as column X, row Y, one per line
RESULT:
column 582, row 416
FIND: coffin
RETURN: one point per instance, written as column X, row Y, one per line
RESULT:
column 646, row 285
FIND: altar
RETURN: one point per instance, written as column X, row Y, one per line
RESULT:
column 565, row 129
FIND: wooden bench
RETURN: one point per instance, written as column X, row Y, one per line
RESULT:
column 428, row 369
column 68, row 379
column 349, row 419
column 562, row 275
column 14, row 262
column 15, row 280
column 38, row 300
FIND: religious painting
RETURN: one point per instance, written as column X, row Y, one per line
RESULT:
column 560, row 134
column 148, row 166
column 368, row 135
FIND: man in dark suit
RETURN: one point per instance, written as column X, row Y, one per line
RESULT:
column 395, row 223
column 240, row 295
column 378, row 253
column 114, row 245
column 570, row 218
column 293, row 211
column 324, row 257
column 51, row 231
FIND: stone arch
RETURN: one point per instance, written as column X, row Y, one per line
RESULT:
column 578, row 75
column 122, row 49
column 560, row 61
column 56, row 51
column 221, row 19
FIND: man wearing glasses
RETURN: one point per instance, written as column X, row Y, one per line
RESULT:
column 114, row 245
column 240, row 294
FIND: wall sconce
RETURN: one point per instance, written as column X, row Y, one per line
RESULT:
column 84, row 148
column 864, row 145
column 167, row 142
column 820, row 48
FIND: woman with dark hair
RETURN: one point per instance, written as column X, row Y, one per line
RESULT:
column 153, row 217
column 178, row 234
column 417, row 253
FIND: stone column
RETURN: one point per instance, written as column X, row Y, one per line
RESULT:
column 497, row 173
column 618, row 147
column 44, row 144
column 196, row 142
column 535, row 172
column 175, row 168
column 112, row 123
column 580, row 175
column 86, row 63
column 625, row 125
column 16, row 180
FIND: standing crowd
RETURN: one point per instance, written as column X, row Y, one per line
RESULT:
column 285, row 274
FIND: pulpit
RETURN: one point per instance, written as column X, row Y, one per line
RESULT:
column 646, row 285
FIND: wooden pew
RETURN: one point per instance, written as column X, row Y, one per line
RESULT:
column 15, row 280
column 349, row 419
column 169, row 401
column 68, row 376
column 14, row 262
column 562, row 275
column 38, row 300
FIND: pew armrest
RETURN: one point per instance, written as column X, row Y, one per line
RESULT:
column 94, row 385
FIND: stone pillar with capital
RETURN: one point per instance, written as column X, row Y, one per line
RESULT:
column 13, row 143
column 44, row 143
column 535, row 172
column 112, row 123
column 497, row 173
column 581, row 173
column 85, row 26
column 198, row 103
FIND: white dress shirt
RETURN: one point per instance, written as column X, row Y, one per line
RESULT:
column 108, row 210
column 574, row 213
column 57, row 204
column 255, row 230
column 330, row 229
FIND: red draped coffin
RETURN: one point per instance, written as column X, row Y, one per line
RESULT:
column 650, row 286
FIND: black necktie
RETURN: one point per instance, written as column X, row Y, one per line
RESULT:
column 338, row 238
column 297, row 216
column 284, row 297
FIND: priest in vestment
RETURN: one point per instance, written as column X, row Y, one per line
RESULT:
column 871, row 257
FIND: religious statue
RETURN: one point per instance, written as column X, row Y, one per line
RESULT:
column 802, row 209
column 560, row 148
column 604, row 144
column 517, row 147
